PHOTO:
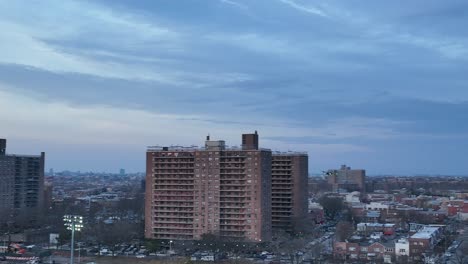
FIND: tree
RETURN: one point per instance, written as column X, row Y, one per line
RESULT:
column 285, row 243
column 112, row 234
column 344, row 230
column 64, row 236
column 331, row 205
column 461, row 255
column 303, row 226
column 316, row 250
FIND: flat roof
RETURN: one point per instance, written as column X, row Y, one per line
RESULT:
column 426, row 232
column 376, row 224
column 225, row 148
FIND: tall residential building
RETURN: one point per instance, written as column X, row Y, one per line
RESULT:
column 21, row 186
column 347, row 179
column 192, row 191
column 290, row 172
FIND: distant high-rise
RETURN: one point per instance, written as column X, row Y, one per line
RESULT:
column 217, row 190
column 122, row 172
column 22, row 185
column 347, row 179
column 290, row 173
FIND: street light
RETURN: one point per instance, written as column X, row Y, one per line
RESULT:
column 170, row 245
column 73, row 223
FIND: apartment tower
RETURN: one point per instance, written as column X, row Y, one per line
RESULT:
column 347, row 179
column 290, row 172
column 22, row 186
column 218, row 190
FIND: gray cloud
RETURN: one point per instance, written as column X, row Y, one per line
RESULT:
column 387, row 77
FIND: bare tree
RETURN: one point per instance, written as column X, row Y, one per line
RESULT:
column 344, row 230
column 331, row 205
column 461, row 255
column 284, row 243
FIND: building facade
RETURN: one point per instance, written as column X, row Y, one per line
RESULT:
column 22, row 186
column 424, row 240
column 347, row 179
column 212, row 190
column 289, row 175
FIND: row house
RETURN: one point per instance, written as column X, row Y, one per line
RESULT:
column 367, row 228
column 364, row 250
column 456, row 207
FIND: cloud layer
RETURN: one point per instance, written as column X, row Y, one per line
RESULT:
column 375, row 85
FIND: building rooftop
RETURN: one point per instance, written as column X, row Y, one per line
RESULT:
column 194, row 148
column 227, row 148
column 426, row 233
column 23, row 156
column 376, row 224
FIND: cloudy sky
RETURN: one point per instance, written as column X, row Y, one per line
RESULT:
column 380, row 85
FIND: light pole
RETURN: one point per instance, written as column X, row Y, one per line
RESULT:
column 79, row 252
column 170, row 246
column 73, row 223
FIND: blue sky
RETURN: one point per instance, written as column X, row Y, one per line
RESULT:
column 380, row 85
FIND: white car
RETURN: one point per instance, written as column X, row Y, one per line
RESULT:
column 140, row 256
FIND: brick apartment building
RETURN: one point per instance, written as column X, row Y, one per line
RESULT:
column 22, row 186
column 289, row 190
column 212, row 190
column 347, row 179
column 192, row 191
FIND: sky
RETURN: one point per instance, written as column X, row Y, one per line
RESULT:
column 379, row 85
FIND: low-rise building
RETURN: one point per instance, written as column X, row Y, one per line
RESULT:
column 368, row 228
column 377, row 206
column 424, row 240
column 402, row 248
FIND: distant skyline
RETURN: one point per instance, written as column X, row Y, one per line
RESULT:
column 378, row 85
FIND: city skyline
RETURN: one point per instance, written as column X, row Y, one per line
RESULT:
column 379, row 86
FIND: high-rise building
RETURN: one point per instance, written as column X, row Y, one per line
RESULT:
column 192, row 191
column 122, row 172
column 290, row 172
column 21, row 185
column 347, row 179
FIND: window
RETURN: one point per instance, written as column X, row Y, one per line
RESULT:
column 376, row 249
column 402, row 250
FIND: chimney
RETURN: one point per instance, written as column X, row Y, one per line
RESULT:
column 3, row 146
